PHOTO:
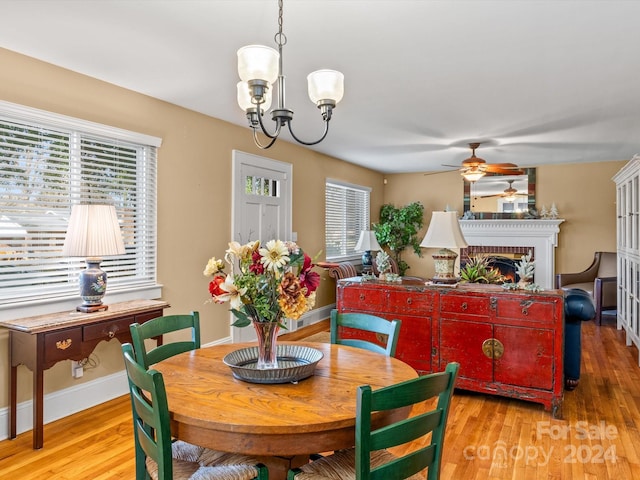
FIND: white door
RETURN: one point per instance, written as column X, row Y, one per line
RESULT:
column 261, row 207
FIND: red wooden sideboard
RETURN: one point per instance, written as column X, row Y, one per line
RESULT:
column 508, row 343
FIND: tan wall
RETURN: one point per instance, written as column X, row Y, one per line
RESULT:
column 194, row 195
column 584, row 195
column 194, row 192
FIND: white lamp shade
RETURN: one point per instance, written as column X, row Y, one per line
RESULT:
column 444, row 232
column 93, row 231
column 257, row 62
column 367, row 242
column 325, row 85
column 244, row 98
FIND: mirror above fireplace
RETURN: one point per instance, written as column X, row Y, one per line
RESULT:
column 501, row 196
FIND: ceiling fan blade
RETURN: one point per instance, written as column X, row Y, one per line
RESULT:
column 503, row 165
column 504, row 171
column 443, row 171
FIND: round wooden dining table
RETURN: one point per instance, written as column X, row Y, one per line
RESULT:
column 210, row 407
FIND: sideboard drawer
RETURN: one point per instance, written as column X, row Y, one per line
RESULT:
column 108, row 330
column 464, row 304
column 367, row 299
column 411, row 302
column 526, row 308
column 62, row 344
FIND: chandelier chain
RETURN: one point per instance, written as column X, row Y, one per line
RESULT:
column 280, row 37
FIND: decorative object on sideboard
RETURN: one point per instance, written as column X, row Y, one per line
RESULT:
column 366, row 244
column 479, row 270
column 525, row 270
column 398, row 230
column 444, row 233
column 259, row 67
column 93, row 233
column 383, row 262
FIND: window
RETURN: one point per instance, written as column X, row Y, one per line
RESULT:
column 49, row 162
column 346, row 214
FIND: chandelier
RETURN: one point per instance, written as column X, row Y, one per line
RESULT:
column 259, row 67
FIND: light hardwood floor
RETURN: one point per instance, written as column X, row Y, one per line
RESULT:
column 487, row 437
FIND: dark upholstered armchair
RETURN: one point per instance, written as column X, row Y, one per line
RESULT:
column 599, row 281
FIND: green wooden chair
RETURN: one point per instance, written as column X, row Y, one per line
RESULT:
column 161, row 326
column 369, row 323
column 158, row 457
column 370, row 460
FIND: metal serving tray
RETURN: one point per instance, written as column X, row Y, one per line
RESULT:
column 295, row 363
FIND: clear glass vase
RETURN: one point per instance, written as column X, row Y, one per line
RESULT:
column 267, row 333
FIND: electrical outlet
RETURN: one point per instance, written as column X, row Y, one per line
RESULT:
column 76, row 369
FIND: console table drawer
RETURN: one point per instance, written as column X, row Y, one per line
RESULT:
column 62, row 344
column 108, row 330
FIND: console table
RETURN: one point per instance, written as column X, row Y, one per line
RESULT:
column 42, row 341
column 508, row 343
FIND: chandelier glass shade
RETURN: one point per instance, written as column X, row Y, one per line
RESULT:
column 260, row 71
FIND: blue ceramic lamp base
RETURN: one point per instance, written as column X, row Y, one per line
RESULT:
column 93, row 286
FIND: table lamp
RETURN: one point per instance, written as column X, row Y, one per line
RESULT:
column 366, row 243
column 93, row 233
column 444, row 232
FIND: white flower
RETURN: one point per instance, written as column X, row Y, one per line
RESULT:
column 233, row 295
column 214, row 265
column 275, row 255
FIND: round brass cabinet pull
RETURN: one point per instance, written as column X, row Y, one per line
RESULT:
column 362, row 297
column 493, row 348
column 111, row 334
column 464, row 306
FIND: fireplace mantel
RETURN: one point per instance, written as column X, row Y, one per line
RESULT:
column 540, row 235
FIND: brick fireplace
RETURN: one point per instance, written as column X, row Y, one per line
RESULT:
column 514, row 238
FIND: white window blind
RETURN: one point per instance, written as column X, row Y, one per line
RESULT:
column 49, row 162
column 346, row 214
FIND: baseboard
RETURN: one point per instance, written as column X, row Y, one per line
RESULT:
column 68, row 401
column 314, row 316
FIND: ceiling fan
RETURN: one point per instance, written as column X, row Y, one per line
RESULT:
column 509, row 193
column 474, row 168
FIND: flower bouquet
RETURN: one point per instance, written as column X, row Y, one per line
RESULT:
column 265, row 285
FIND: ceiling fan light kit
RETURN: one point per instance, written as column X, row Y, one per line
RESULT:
column 259, row 67
column 474, row 168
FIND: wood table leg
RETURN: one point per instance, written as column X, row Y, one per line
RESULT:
column 13, row 387
column 38, row 407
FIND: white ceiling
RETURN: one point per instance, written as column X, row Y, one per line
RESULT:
column 540, row 82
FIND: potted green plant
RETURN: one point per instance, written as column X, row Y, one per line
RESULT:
column 478, row 270
column 398, row 229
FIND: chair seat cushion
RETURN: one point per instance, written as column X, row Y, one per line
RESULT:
column 191, row 462
column 341, row 466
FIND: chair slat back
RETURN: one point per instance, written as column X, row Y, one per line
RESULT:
column 404, row 394
column 161, row 326
column 367, row 323
column 150, row 417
